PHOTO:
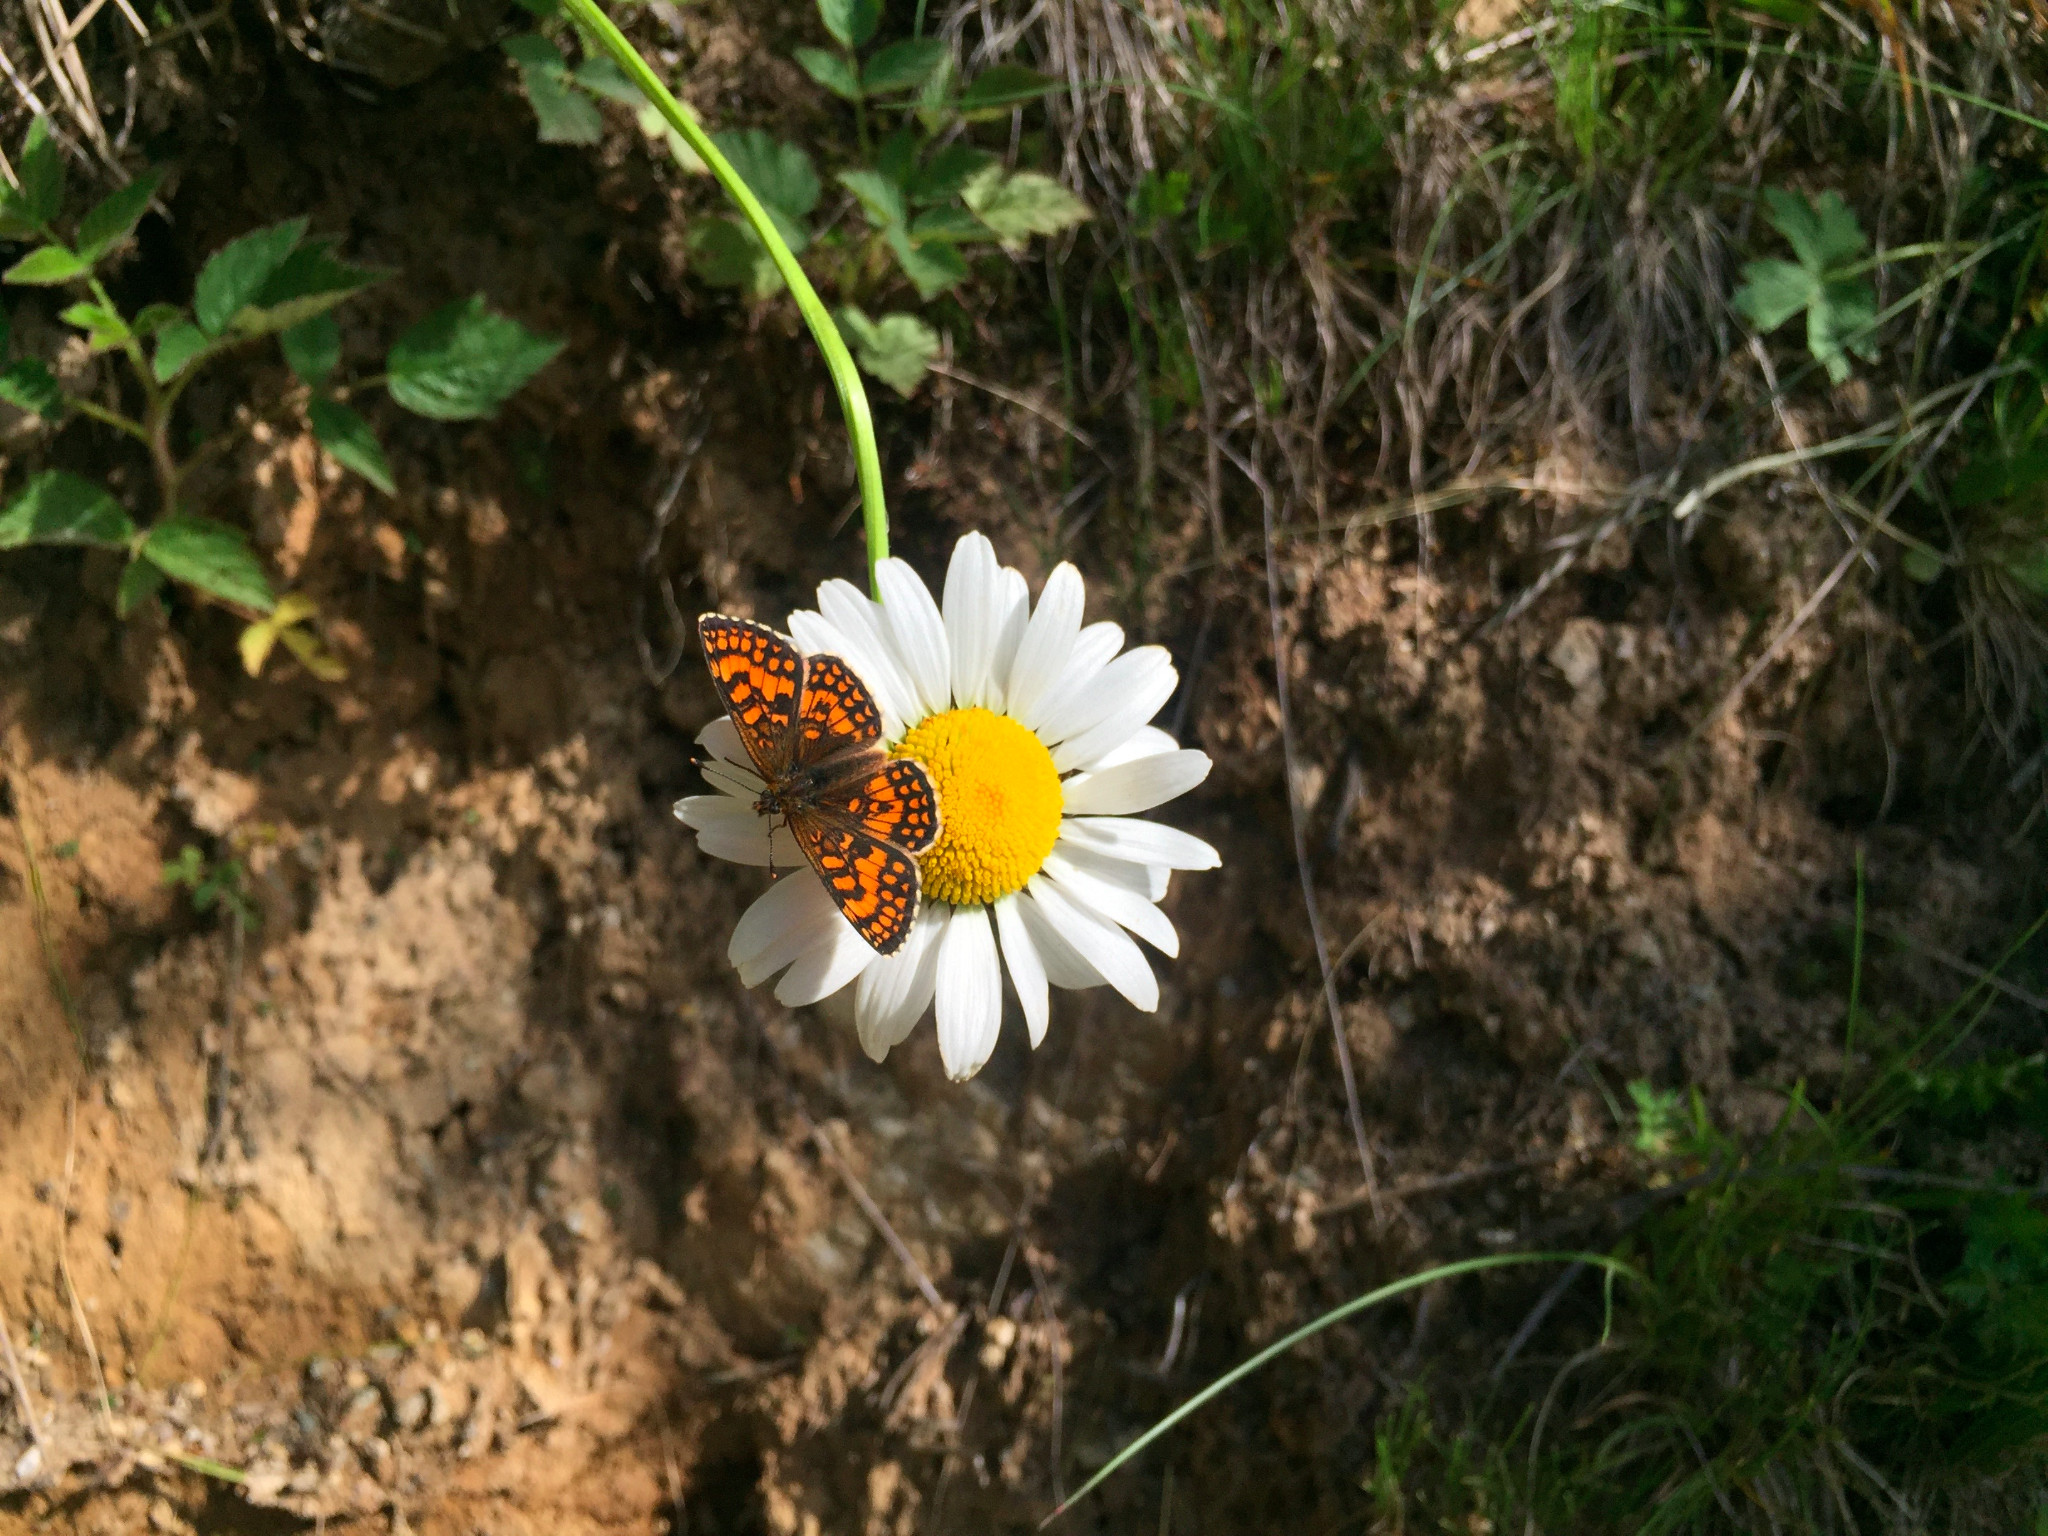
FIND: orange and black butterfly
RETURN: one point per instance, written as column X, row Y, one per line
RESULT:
column 814, row 733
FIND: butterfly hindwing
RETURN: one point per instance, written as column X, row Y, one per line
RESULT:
column 890, row 799
column 873, row 883
column 838, row 713
column 759, row 676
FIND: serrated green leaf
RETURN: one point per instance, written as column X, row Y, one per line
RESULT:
column 1823, row 234
column 1839, row 322
column 950, row 222
column 212, row 557
column 996, row 91
column 834, row 71
column 948, row 171
column 462, row 362
column 601, row 77
column 780, row 175
column 58, row 507
column 45, row 267
column 236, row 273
column 116, row 216
column 152, row 318
column 1020, row 206
column 565, row 115
column 880, row 198
column 42, row 175
column 902, row 66
column 897, row 349
column 28, row 385
column 177, row 343
column 308, row 282
column 726, row 254
column 312, row 348
column 932, row 267
column 352, row 441
column 851, row 22
column 535, row 51
column 140, row 581
column 1773, row 292
column 103, row 327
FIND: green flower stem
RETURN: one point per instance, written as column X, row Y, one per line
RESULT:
column 853, row 398
column 114, row 419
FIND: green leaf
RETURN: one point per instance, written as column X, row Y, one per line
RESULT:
column 140, row 581
column 1020, row 206
column 880, row 198
column 212, row 557
column 834, row 71
column 352, row 441
column 1920, row 565
column 995, row 91
column 58, row 507
column 462, row 362
column 726, row 254
column 897, row 349
column 601, row 77
column 29, row 386
column 312, row 348
column 43, row 268
column 851, row 22
column 535, row 51
column 309, row 282
column 177, row 343
column 565, row 115
column 1823, row 234
column 779, row 174
column 2000, row 476
column 903, row 66
column 949, row 222
column 1773, row 292
column 236, row 273
column 116, row 217
column 104, row 328
column 42, row 175
column 154, row 317
column 1840, row 322
column 932, row 267
column 948, row 171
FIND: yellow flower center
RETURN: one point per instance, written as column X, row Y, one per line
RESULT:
column 999, row 804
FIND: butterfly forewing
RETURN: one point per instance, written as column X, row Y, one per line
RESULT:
column 838, row 713
column 759, row 676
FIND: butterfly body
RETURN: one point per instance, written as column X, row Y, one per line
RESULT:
column 812, row 730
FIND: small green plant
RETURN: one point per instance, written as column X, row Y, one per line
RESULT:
column 223, row 884
column 459, row 363
column 925, row 195
column 1659, row 1118
column 1826, row 282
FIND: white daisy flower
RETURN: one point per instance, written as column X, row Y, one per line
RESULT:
column 1034, row 730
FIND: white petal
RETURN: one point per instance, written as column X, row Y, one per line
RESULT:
column 1094, row 648
column 895, row 991
column 1013, row 606
column 1048, row 640
column 793, row 915
column 1063, row 964
column 729, row 829
column 969, row 1000
column 973, row 617
column 1140, row 694
column 912, row 618
column 868, row 649
column 1142, row 842
column 1115, row 689
column 1107, row 949
column 1135, row 786
column 824, row 968
column 1149, row 742
column 721, row 738
column 1027, row 971
column 1111, row 899
column 1156, row 877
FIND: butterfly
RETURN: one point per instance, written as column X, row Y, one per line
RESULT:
column 814, row 733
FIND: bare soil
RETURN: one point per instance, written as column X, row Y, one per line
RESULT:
column 514, row 1213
